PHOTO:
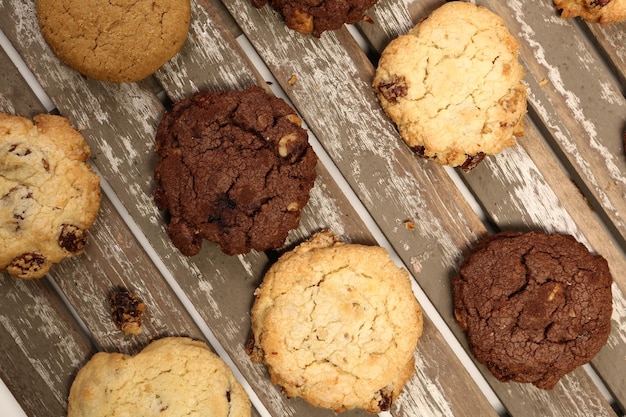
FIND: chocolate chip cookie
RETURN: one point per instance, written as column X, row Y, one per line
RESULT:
column 317, row 17
column 595, row 11
column 173, row 376
column 337, row 324
column 116, row 41
column 534, row 306
column 453, row 85
column 235, row 168
column 49, row 195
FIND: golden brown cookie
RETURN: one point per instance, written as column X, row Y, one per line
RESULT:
column 453, row 85
column 596, row 11
column 49, row 195
column 337, row 325
column 116, row 41
column 171, row 377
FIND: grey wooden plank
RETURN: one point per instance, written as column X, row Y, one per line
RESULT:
column 327, row 83
column 581, row 106
column 611, row 40
column 327, row 210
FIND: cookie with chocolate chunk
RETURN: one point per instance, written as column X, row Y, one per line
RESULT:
column 534, row 306
column 317, row 17
column 173, row 376
column 235, row 168
column 595, row 11
column 337, row 324
column 453, row 85
column 49, row 195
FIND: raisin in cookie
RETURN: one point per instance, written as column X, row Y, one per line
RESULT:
column 174, row 376
column 116, row 41
column 316, row 17
column 534, row 306
column 596, row 11
column 453, row 85
column 235, row 167
column 337, row 325
column 49, row 195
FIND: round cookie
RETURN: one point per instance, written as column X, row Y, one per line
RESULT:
column 235, row 167
column 596, row 11
column 49, row 195
column 170, row 377
column 453, row 85
column 317, row 17
column 534, row 306
column 337, row 325
column 116, row 41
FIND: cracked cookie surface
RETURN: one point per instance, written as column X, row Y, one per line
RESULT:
column 534, row 306
column 452, row 85
column 116, row 41
column 235, row 168
column 337, row 325
column 316, row 17
column 595, row 11
column 171, row 377
column 49, row 195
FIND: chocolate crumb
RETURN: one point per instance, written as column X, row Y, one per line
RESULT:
column 126, row 310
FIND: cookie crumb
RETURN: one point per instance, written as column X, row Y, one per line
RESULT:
column 292, row 80
column 126, row 310
column 543, row 82
column 409, row 225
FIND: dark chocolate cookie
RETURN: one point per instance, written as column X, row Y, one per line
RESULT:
column 534, row 306
column 316, row 17
column 235, row 168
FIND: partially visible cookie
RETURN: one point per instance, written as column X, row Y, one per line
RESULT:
column 453, row 85
column 49, row 195
column 174, row 376
column 317, row 17
column 535, row 306
column 119, row 41
column 337, row 325
column 235, row 168
column 596, row 11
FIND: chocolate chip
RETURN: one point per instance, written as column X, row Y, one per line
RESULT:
column 600, row 3
column 386, row 398
column 472, row 160
column 72, row 238
column 393, row 89
column 27, row 263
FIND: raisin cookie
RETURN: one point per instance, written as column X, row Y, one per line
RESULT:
column 337, row 325
column 596, row 11
column 119, row 41
column 235, row 167
column 316, row 17
column 49, row 195
column 534, row 306
column 174, row 376
column 453, row 85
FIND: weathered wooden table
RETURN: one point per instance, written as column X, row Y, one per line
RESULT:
column 567, row 174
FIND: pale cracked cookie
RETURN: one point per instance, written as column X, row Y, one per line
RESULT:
column 337, row 325
column 453, row 85
column 49, row 195
column 596, row 11
column 116, row 41
column 171, row 377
